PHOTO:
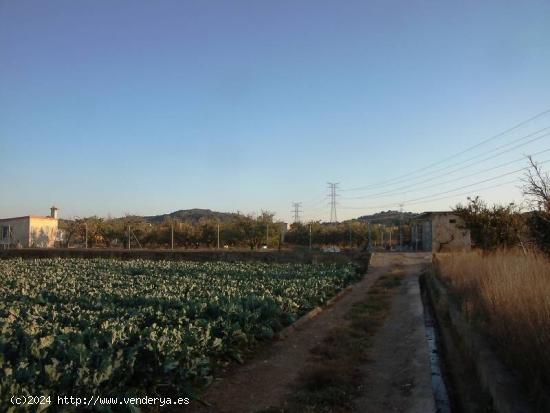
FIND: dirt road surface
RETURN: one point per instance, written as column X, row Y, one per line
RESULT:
column 398, row 378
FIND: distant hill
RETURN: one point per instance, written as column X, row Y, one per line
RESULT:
column 191, row 215
column 388, row 217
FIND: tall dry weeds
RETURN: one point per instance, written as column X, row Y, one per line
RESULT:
column 508, row 294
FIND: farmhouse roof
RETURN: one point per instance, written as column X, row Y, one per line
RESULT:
column 26, row 217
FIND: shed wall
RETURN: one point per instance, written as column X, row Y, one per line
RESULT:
column 447, row 235
column 426, row 235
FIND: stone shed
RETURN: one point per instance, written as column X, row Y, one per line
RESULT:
column 439, row 232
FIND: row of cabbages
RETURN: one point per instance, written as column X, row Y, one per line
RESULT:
column 112, row 327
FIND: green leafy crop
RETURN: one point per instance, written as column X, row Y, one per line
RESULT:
column 110, row 327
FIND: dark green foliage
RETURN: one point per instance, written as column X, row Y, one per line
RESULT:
column 539, row 229
column 236, row 230
column 85, row 327
column 492, row 227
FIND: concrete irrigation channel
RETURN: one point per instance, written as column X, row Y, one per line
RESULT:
column 479, row 379
column 433, row 336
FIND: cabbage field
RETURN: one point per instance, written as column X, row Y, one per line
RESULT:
column 138, row 327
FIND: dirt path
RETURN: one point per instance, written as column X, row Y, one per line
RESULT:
column 266, row 381
column 399, row 379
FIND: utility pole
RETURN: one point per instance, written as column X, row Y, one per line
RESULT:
column 129, row 240
column 86, row 235
column 310, row 237
column 218, row 235
column 333, row 187
column 350, row 234
column 401, row 226
column 266, row 234
column 172, row 235
column 390, row 236
column 296, row 210
column 368, row 228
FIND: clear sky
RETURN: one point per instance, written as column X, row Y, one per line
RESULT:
column 113, row 107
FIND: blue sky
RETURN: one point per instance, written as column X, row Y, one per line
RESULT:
column 148, row 107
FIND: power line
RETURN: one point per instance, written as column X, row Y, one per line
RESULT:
column 397, row 215
column 408, row 177
column 441, row 198
column 484, row 141
column 508, row 147
column 321, row 201
column 492, row 156
column 498, row 135
column 448, row 191
column 397, row 192
column 466, row 193
column 333, row 186
column 315, row 200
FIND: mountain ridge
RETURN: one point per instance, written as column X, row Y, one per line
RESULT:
column 192, row 215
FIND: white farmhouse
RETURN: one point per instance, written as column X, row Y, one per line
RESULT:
column 29, row 231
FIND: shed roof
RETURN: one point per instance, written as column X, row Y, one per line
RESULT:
column 426, row 215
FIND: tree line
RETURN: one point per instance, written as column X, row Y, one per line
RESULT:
column 239, row 231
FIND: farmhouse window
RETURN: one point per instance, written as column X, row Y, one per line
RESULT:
column 452, row 221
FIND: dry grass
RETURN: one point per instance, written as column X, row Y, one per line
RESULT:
column 508, row 294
